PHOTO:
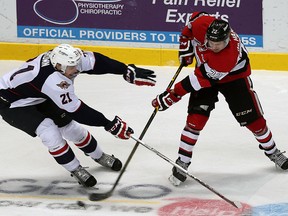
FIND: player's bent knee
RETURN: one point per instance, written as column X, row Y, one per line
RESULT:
column 196, row 121
column 74, row 132
column 50, row 135
column 257, row 126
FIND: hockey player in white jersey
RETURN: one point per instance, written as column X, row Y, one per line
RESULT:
column 39, row 99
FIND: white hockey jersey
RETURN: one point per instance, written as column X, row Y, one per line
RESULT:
column 36, row 80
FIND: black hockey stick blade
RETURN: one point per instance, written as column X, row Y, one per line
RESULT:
column 100, row 196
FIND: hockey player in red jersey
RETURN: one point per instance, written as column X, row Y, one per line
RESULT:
column 39, row 99
column 222, row 65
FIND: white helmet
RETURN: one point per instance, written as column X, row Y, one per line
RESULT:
column 65, row 55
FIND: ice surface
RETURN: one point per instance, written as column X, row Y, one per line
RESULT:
column 226, row 157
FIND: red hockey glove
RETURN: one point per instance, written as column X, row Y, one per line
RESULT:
column 119, row 128
column 139, row 76
column 186, row 52
column 165, row 100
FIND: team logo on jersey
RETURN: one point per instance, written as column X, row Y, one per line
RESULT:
column 63, row 85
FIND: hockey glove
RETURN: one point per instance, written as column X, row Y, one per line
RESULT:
column 186, row 52
column 139, row 76
column 165, row 100
column 119, row 128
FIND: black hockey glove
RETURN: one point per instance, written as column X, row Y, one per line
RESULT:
column 119, row 128
column 186, row 52
column 139, row 76
column 165, row 100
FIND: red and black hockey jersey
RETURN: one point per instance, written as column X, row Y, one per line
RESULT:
column 212, row 68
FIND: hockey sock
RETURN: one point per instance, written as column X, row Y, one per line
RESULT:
column 89, row 146
column 65, row 157
column 263, row 135
column 189, row 136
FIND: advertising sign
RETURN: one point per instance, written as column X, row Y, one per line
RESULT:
column 145, row 21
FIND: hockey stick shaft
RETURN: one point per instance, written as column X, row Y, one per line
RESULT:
column 235, row 204
column 146, row 127
column 96, row 197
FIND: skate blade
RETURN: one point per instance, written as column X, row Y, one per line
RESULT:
column 174, row 181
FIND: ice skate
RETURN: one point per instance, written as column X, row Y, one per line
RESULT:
column 83, row 177
column 178, row 176
column 109, row 162
column 279, row 159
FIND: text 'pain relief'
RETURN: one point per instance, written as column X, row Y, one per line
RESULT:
column 207, row 3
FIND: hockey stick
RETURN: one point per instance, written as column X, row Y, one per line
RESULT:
column 235, row 204
column 102, row 196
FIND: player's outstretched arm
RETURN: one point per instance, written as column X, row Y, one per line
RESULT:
column 97, row 63
column 88, row 116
